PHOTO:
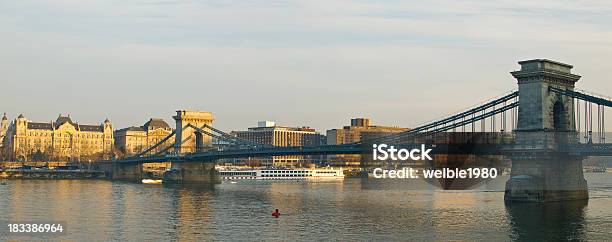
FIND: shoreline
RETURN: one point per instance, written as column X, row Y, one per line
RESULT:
column 51, row 174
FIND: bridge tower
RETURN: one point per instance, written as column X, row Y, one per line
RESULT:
column 542, row 169
column 185, row 141
column 189, row 140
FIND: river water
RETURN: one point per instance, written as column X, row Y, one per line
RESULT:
column 348, row 210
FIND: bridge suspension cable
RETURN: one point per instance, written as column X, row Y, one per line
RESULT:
column 588, row 100
column 234, row 138
column 225, row 137
column 155, row 145
column 164, row 150
column 459, row 118
column 471, row 120
column 582, row 96
column 219, row 136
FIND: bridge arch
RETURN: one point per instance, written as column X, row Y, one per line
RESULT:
column 560, row 118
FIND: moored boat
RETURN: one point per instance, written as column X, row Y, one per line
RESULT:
column 151, row 181
column 283, row 174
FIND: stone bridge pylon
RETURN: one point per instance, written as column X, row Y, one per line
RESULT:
column 542, row 169
column 189, row 140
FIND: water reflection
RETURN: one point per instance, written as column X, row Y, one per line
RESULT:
column 345, row 210
column 191, row 212
column 558, row 221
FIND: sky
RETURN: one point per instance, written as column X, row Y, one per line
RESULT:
column 310, row 63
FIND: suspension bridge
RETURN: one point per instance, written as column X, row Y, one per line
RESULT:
column 546, row 128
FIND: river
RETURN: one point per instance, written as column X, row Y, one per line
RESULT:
column 352, row 209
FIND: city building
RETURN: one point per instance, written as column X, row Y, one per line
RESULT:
column 133, row 140
column 59, row 140
column 3, row 128
column 361, row 129
column 269, row 133
column 4, row 123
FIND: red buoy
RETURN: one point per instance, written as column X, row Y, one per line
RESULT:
column 276, row 213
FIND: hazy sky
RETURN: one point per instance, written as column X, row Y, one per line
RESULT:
column 309, row 63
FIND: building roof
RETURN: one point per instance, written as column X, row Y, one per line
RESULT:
column 91, row 128
column 133, row 128
column 33, row 125
column 64, row 119
column 545, row 60
column 155, row 123
column 281, row 128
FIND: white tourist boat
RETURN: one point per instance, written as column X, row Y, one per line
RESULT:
column 282, row 174
column 151, row 181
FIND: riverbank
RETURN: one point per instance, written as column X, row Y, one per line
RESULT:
column 51, row 174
